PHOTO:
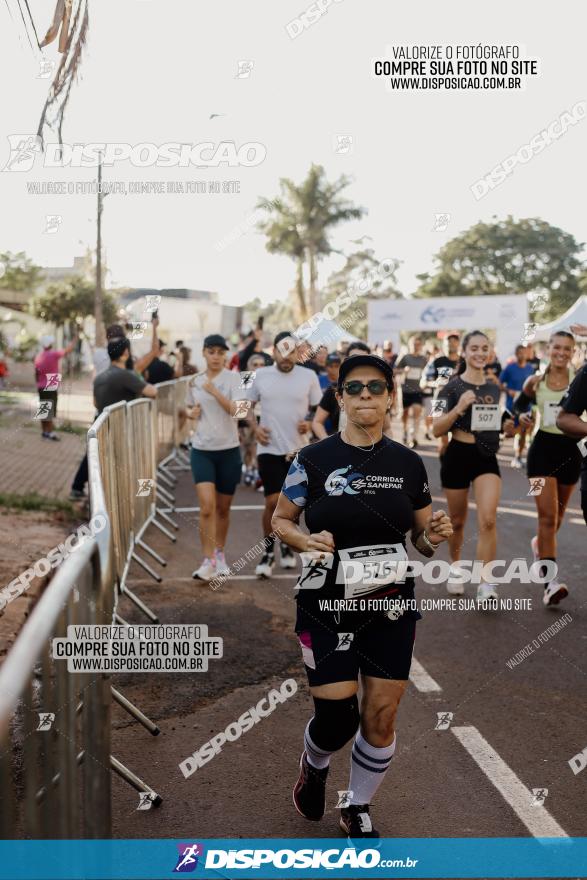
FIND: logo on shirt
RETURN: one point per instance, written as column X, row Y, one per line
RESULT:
column 352, row 483
column 344, row 480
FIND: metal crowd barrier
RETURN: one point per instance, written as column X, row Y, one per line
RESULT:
column 55, row 777
column 166, row 397
column 55, row 725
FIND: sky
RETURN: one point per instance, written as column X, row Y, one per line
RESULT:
column 155, row 70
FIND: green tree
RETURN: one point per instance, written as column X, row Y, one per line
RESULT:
column 509, row 256
column 278, row 315
column 19, row 272
column 71, row 302
column 362, row 265
column 298, row 225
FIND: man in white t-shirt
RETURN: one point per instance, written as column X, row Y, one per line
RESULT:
column 288, row 394
column 211, row 399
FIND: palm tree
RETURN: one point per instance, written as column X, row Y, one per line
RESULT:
column 283, row 238
column 322, row 208
column 299, row 223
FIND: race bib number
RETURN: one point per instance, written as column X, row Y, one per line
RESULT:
column 551, row 411
column 485, row 417
column 414, row 374
column 366, row 569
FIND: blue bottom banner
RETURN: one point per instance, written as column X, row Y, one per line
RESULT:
column 481, row 857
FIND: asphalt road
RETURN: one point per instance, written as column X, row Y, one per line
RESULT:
column 512, row 730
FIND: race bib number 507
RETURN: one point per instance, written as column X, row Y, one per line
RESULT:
column 485, row 417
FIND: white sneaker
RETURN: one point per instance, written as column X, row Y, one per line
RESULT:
column 206, row 571
column 487, row 594
column 457, row 588
column 265, row 567
column 554, row 592
column 516, row 462
column 222, row 566
column 287, row 558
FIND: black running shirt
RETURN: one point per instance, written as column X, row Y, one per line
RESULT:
column 575, row 401
column 366, row 497
column 486, row 395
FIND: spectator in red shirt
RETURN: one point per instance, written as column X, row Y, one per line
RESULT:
column 3, row 370
column 48, row 380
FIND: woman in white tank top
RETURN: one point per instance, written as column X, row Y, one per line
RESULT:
column 553, row 460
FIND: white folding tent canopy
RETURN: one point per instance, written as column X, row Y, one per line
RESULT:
column 327, row 332
column 504, row 314
column 577, row 314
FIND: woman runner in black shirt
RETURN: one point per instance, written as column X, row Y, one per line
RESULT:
column 472, row 414
column 361, row 493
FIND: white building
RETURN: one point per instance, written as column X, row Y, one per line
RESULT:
column 187, row 315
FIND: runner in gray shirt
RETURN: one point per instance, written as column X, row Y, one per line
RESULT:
column 411, row 366
column 288, row 395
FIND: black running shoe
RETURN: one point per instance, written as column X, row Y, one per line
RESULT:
column 309, row 794
column 287, row 559
column 355, row 821
column 265, row 565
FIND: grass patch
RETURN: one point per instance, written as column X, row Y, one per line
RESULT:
column 8, row 397
column 34, row 501
column 69, row 428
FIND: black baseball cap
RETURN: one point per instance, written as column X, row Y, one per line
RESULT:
column 215, row 339
column 365, row 360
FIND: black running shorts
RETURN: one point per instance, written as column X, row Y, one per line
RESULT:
column 51, row 396
column 412, row 398
column 372, row 645
column 273, row 471
column 463, row 462
column 554, row 455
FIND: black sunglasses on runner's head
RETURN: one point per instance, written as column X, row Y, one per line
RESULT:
column 374, row 386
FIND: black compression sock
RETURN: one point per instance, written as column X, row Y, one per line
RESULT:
column 543, row 569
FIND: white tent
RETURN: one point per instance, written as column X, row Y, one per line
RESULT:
column 327, row 332
column 577, row 314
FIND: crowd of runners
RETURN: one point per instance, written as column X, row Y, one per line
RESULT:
column 253, row 411
column 313, row 430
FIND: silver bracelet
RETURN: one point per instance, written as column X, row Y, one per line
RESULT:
column 428, row 542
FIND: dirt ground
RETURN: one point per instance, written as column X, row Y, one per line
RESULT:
column 26, row 537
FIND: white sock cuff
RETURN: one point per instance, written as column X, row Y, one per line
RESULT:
column 372, row 754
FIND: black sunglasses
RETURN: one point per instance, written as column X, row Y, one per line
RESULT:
column 374, row 386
